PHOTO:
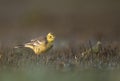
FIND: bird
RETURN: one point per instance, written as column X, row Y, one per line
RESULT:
column 41, row 44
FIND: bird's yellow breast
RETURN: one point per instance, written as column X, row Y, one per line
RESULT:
column 39, row 49
column 42, row 48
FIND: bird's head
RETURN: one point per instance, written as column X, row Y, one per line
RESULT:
column 50, row 37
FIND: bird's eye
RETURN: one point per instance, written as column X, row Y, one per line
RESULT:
column 50, row 36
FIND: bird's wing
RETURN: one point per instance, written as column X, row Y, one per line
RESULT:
column 37, row 41
column 39, row 38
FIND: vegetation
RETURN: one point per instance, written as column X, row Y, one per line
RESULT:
column 71, row 57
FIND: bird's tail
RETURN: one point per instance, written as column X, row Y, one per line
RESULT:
column 19, row 46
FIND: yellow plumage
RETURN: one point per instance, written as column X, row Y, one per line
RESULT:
column 42, row 44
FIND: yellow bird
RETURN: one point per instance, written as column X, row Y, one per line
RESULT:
column 41, row 44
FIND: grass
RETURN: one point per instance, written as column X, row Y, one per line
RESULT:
column 59, row 64
column 69, row 57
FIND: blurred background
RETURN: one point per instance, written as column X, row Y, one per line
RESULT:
column 74, row 21
column 78, row 20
